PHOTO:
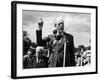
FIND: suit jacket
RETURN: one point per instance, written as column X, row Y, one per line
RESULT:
column 57, row 49
column 43, row 63
column 32, row 63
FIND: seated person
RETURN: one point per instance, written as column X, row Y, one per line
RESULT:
column 40, row 61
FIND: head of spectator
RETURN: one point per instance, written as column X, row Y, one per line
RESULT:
column 29, row 54
column 39, row 52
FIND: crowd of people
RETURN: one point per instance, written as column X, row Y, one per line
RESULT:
column 83, row 57
column 55, row 50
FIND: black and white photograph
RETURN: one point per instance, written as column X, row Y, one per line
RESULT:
column 56, row 39
column 53, row 39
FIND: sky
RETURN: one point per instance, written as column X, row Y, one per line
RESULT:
column 77, row 24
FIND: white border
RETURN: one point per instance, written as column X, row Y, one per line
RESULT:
column 48, row 71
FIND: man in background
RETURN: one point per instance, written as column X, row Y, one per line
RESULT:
column 28, row 60
column 40, row 60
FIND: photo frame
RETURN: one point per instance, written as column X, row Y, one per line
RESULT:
column 82, row 24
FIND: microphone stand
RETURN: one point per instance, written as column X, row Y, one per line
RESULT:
column 64, row 54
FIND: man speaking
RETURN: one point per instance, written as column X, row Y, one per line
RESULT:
column 60, row 45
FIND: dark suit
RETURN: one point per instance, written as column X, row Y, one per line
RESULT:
column 32, row 63
column 43, row 62
column 57, row 49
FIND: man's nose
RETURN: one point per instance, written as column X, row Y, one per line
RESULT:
column 60, row 28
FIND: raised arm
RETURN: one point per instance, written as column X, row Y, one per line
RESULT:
column 40, row 41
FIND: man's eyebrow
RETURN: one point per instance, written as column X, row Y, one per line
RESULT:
column 60, row 23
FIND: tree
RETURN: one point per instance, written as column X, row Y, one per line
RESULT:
column 26, row 42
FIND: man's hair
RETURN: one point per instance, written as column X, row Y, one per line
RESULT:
column 39, row 48
column 58, row 20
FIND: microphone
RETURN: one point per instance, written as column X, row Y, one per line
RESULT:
column 55, row 32
column 57, row 37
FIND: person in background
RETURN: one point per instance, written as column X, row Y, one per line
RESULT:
column 40, row 60
column 28, row 60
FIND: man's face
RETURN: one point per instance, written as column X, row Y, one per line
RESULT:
column 30, row 54
column 39, row 53
column 59, row 27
